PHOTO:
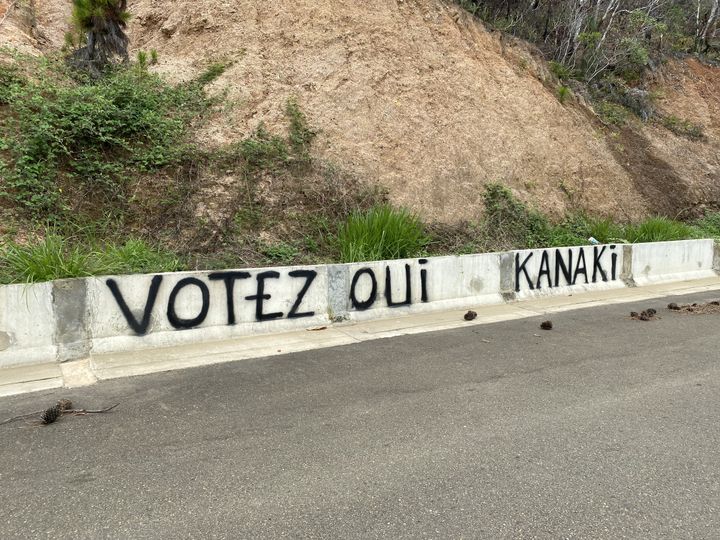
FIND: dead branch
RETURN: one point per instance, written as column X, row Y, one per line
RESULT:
column 88, row 411
column 74, row 412
column 21, row 417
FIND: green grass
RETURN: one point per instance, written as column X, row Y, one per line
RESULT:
column 57, row 257
column 381, row 233
column 659, row 229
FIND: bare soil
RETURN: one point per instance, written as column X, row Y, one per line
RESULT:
column 418, row 98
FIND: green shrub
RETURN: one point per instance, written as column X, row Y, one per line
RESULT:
column 683, row 128
column 561, row 71
column 88, row 133
column 612, row 113
column 280, row 253
column 577, row 229
column 381, row 233
column 563, row 93
column 659, row 229
column 301, row 135
column 142, row 59
column 512, row 223
column 708, row 225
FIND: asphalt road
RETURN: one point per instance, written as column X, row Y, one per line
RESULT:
column 604, row 427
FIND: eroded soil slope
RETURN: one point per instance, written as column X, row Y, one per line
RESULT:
column 417, row 96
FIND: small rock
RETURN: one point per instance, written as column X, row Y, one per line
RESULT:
column 546, row 325
column 470, row 315
column 651, row 312
column 634, row 314
column 715, row 303
column 673, row 306
column 644, row 317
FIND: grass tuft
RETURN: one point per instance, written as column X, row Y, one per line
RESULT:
column 381, row 233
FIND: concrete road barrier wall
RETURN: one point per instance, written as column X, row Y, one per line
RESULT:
column 672, row 261
column 74, row 319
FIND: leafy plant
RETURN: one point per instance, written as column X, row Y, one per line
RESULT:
column 87, row 135
column 280, row 253
column 612, row 113
column 301, row 135
column 683, row 128
column 381, row 233
column 562, row 72
column 563, row 93
column 511, row 222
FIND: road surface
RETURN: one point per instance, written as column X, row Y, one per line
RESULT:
column 604, row 427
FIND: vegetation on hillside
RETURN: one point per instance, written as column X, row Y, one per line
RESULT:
column 101, row 171
column 604, row 47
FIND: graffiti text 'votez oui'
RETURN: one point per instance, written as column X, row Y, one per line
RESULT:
column 363, row 294
column 569, row 268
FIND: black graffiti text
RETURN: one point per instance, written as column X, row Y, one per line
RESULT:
column 569, row 268
column 361, row 303
column 262, row 294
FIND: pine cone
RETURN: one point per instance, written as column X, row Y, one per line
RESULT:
column 50, row 415
column 64, row 404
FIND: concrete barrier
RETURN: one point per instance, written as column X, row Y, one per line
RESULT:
column 75, row 319
column 28, row 333
column 364, row 291
column 664, row 262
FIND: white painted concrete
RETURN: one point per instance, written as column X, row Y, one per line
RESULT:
column 448, row 283
column 111, row 332
column 27, row 324
column 672, row 261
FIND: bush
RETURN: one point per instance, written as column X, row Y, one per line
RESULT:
column 683, row 128
column 611, row 113
column 708, row 225
column 381, row 233
column 576, row 230
column 560, row 71
column 512, row 223
column 563, row 93
column 59, row 131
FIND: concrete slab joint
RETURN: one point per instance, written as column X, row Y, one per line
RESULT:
column 716, row 257
column 627, row 270
column 72, row 329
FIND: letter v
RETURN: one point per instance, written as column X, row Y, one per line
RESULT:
column 140, row 328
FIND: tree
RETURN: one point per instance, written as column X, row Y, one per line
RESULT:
column 100, row 28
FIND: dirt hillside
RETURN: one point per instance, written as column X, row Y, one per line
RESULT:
column 415, row 95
